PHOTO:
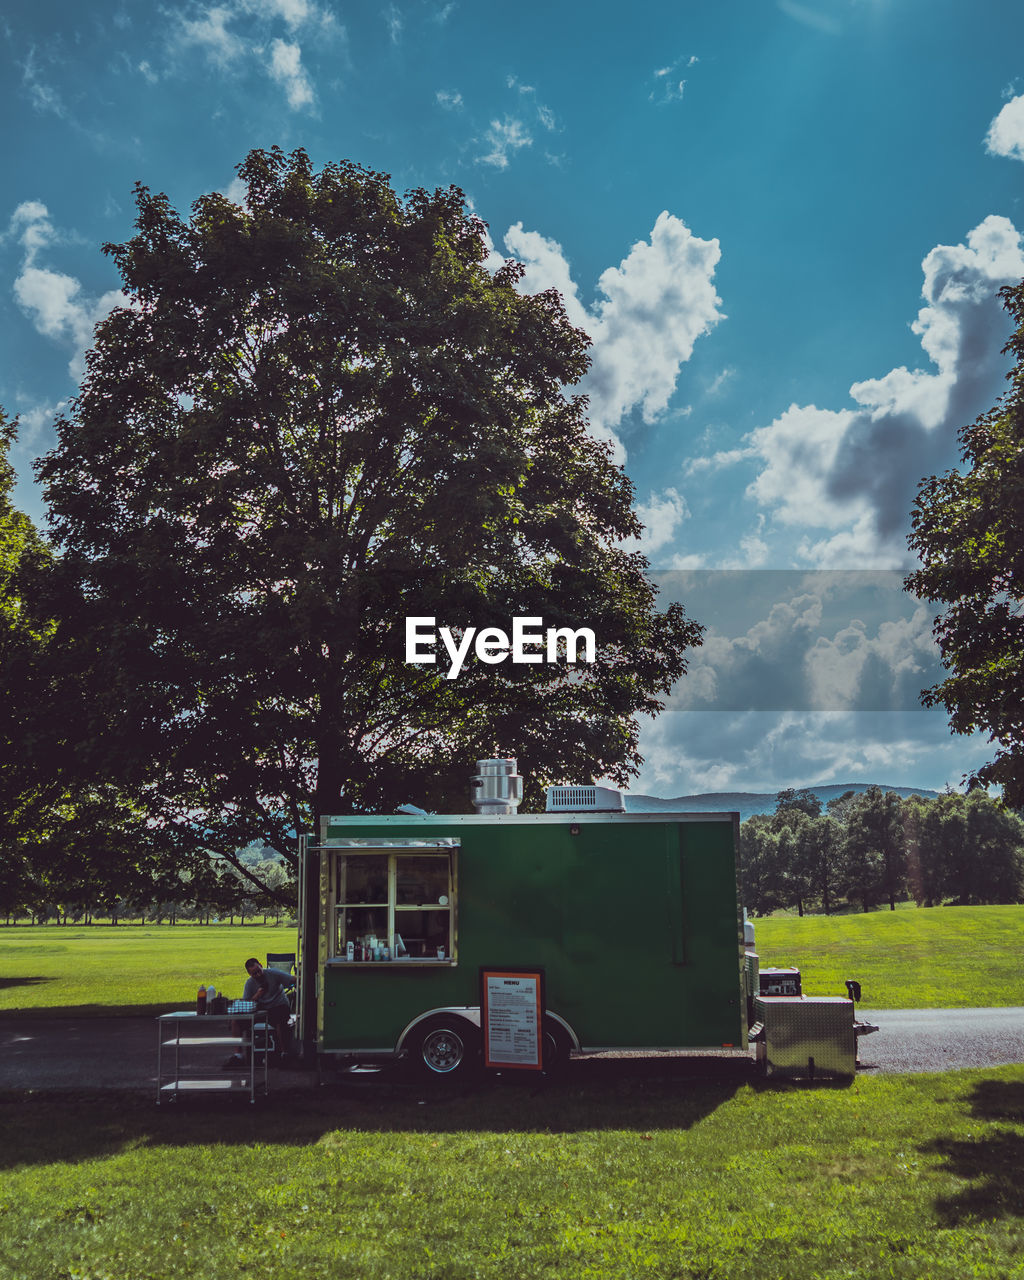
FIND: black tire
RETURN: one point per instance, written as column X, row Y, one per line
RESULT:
column 557, row 1048
column 446, row 1049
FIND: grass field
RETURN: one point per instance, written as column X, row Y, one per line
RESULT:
column 935, row 958
column 136, row 969
column 625, row 1170
column 915, row 1177
column 945, row 957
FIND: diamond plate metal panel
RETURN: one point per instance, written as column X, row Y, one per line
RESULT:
column 808, row 1036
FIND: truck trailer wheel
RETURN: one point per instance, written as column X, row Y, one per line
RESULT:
column 446, row 1048
column 557, row 1048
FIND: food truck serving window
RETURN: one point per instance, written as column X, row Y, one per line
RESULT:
column 395, row 906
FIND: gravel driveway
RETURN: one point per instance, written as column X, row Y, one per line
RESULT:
column 120, row 1053
column 941, row 1039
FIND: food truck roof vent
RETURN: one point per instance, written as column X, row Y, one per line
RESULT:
column 580, row 799
column 497, row 787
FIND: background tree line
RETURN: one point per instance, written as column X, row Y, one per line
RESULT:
column 875, row 848
column 66, row 881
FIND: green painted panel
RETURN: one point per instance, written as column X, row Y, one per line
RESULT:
column 635, row 924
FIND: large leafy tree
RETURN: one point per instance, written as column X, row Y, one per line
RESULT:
column 964, row 849
column 24, row 640
column 874, row 847
column 28, row 787
column 968, row 528
column 67, row 837
column 319, row 413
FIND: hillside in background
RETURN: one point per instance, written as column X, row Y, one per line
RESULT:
column 750, row 802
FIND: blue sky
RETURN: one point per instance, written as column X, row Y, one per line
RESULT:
column 783, row 223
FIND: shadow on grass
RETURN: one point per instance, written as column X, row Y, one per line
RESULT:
column 23, row 982
column 999, row 1100
column 992, row 1164
column 37, row 1012
column 641, row 1096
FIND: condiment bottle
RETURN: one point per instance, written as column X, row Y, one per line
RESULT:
column 201, row 1000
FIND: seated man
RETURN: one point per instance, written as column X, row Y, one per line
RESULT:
column 268, row 988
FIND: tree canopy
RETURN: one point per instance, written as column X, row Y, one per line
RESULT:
column 318, row 414
column 968, row 528
column 24, row 788
column 872, row 847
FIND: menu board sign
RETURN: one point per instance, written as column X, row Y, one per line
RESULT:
column 512, row 1018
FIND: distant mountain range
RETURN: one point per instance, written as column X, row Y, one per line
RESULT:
column 750, row 802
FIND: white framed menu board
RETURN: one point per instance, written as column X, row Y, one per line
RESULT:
column 512, row 1018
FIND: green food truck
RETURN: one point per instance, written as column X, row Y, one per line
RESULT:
column 630, row 922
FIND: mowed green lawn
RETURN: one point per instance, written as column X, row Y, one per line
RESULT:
column 624, row 1169
column 914, row 1177
column 913, row 958
column 134, row 969
column 943, row 957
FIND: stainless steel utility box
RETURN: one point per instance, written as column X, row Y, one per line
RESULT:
column 807, row 1036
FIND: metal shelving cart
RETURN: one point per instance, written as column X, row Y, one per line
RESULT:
column 187, row 1061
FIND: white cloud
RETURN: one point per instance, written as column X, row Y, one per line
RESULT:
column 210, row 32
column 286, row 68
column 753, row 546
column 804, row 641
column 1005, row 136
column 803, row 678
column 494, row 259
column 528, row 94
column 505, row 138
column 652, row 309
column 662, row 515
column 30, row 223
column 237, row 192
column 854, row 666
column 656, row 304
column 719, row 381
column 296, row 13
column 43, row 96
column 546, row 268
column 33, row 425
column 689, row 752
column 243, row 33
column 852, row 473
column 395, row 23
column 52, row 300
column 668, row 85
column 449, row 100
column 799, row 450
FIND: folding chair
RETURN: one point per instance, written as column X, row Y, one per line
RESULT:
column 285, row 961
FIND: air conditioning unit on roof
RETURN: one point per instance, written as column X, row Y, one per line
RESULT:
column 585, row 799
